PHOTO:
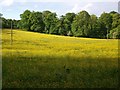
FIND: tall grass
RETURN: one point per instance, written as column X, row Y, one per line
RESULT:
column 48, row 61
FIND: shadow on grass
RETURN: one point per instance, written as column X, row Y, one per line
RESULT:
column 59, row 72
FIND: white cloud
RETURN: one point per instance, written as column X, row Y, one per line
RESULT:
column 8, row 10
column 77, row 8
column 48, row 0
column 23, row 2
column 69, row 1
column 35, row 6
column 6, row 2
column 87, row 7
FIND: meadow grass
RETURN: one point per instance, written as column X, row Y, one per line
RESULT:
column 37, row 60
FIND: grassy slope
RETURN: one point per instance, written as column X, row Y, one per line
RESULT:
column 38, row 60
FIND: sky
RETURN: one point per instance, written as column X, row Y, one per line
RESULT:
column 13, row 8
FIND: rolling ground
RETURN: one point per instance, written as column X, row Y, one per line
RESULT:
column 37, row 60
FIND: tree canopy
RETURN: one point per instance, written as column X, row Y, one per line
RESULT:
column 81, row 24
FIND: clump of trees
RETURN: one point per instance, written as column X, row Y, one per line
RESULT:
column 0, row 21
column 79, row 25
column 7, row 23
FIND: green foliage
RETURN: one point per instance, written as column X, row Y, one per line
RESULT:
column 95, row 27
column 49, row 20
column 0, row 21
column 61, row 26
column 68, row 19
column 6, row 23
column 106, row 19
column 71, row 24
column 25, row 22
column 115, row 30
column 80, row 25
column 15, row 24
column 36, row 20
column 1, row 15
column 116, row 20
column 115, row 33
column 52, row 17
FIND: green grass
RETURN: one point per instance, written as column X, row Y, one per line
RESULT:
column 48, row 61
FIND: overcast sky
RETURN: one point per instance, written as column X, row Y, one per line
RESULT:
column 13, row 8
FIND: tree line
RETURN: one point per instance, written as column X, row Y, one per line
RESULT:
column 6, row 23
column 81, row 24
